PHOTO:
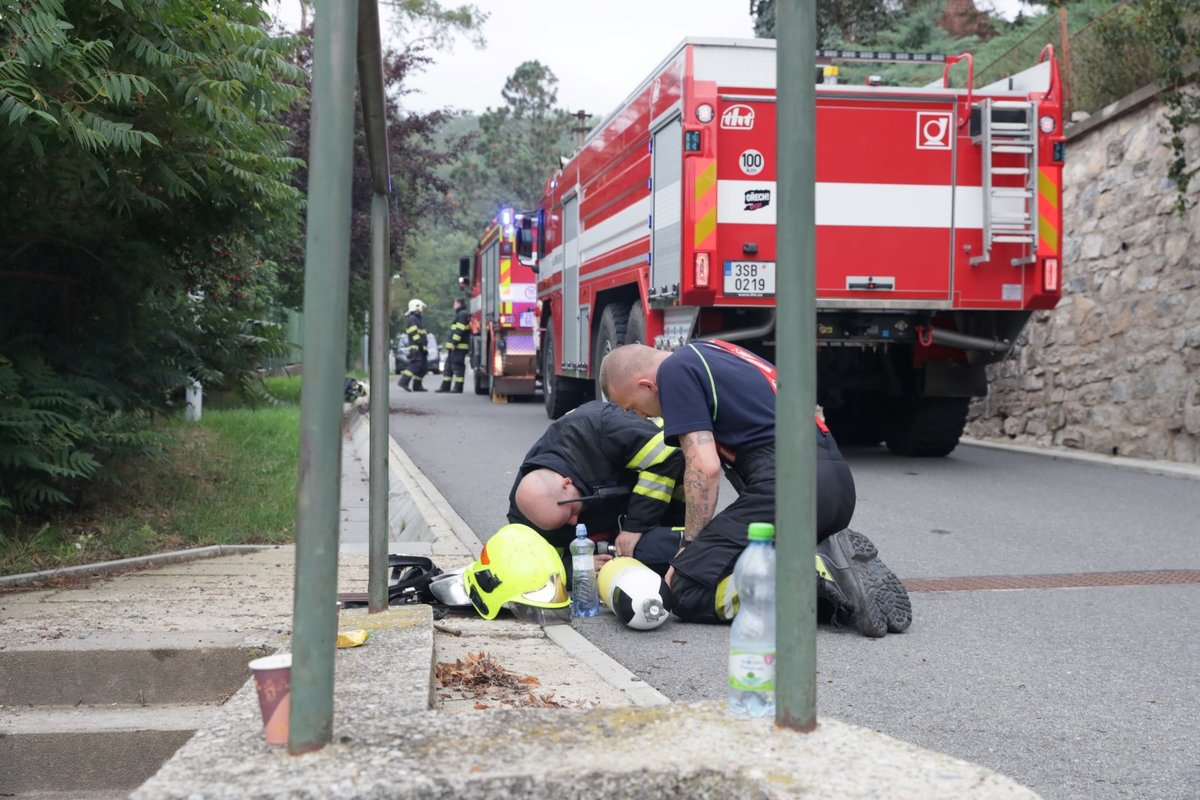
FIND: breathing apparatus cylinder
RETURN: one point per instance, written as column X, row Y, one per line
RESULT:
column 634, row 592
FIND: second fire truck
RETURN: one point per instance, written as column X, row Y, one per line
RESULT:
column 938, row 219
column 503, row 308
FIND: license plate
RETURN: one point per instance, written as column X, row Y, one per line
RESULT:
column 526, row 319
column 750, row 278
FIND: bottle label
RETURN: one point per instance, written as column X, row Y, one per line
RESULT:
column 751, row 671
column 582, row 563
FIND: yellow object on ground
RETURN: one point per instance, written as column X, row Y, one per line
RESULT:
column 351, row 638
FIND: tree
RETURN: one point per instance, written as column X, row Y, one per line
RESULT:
column 145, row 178
column 423, row 195
column 520, row 142
column 839, row 22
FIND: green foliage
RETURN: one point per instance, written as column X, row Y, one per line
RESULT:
column 519, row 143
column 145, row 181
column 1141, row 43
column 56, row 431
column 228, row 479
column 430, row 21
column 839, row 22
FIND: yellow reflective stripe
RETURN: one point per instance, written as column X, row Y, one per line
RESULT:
column 726, row 599
column 823, row 570
column 706, row 207
column 654, row 451
column 1048, row 211
column 654, row 486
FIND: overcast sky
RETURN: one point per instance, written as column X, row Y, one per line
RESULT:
column 598, row 52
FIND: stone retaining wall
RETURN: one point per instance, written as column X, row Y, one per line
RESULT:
column 1115, row 368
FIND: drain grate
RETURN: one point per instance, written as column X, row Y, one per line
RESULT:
column 987, row 583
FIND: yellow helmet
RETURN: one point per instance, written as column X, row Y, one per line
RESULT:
column 517, row 565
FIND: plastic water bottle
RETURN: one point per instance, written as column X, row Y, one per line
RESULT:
column 585, row 599
column 752, row 636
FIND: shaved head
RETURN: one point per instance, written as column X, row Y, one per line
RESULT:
column 629, row 378
column 538, row 496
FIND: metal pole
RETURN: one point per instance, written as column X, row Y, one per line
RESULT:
column 326, row 267
column 370, row 88
column 795, row 433
column 377, row 588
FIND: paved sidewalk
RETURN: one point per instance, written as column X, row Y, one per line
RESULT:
column 398, row 732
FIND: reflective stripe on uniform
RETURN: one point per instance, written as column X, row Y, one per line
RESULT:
column 726, row 599
column 654, row 451
column 654, row 486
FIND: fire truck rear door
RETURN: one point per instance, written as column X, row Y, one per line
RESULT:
column 886, row 199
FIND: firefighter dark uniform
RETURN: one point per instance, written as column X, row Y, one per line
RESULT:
column 418, row 345
column 628, row 477
column 456, row 359
column 718, row 387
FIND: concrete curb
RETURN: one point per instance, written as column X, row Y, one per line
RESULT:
column 1171, row 468
column 126, row 564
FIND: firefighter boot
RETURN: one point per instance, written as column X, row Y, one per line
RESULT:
column 417, row 385
column 845, row 556
column 404, row 379
column 458, row 386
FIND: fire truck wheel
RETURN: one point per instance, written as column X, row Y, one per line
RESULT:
column 929, row 427
column 858, row 420
column 635, row 329
column 610, row 334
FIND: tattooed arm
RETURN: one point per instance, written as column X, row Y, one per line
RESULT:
column 701, row 479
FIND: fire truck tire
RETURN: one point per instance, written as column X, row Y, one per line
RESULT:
column 858, row 420
column 635, row 328
column 929, row 427
column 610, row 334
column 558, row 393
column 483, row 381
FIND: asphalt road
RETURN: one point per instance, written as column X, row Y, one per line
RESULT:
column 1089, row 692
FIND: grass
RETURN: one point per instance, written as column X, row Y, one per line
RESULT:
column 229, row 479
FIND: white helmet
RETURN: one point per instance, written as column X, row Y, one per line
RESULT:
column 416, row 305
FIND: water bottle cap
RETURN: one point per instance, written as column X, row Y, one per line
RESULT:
column 761, row 531
column 580, row 530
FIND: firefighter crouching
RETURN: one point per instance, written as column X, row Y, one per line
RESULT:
column 456, row 358
column 610, row 470
column 418, row 343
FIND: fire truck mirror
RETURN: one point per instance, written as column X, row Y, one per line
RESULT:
column 525, row 251
column 464, row 268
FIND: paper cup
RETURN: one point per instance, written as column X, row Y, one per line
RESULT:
column 272, row 679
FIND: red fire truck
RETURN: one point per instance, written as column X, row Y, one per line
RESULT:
column 938, row 219
column 503, row 308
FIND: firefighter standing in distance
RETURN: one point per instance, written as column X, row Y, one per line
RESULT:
column 717, row 401
column 418, row 345
column 456, row 359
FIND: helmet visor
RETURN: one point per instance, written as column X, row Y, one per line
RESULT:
column 552, row 593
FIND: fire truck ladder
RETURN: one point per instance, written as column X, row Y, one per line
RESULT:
column 1007, row 128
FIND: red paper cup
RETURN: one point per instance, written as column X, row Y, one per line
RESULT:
column 272, row 679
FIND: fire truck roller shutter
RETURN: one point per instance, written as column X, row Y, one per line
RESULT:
column 610, row 334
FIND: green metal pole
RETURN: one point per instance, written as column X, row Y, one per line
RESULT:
column 377, row 588
column 326, row 270
column 795, row 351
column 371, row 93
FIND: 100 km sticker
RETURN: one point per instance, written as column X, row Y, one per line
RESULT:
column 751, row 162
